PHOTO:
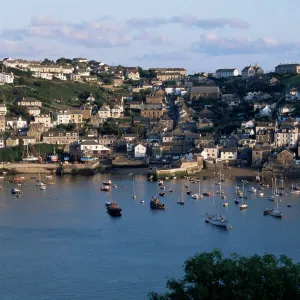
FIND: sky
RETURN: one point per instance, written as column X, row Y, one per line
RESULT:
column 199, row 35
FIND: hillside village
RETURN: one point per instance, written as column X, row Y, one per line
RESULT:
column 88, row 109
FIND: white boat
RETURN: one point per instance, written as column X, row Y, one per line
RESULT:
column 261, row 194
column 160, row 182
column 4, row 173
column 275, row 211
column 107, row 203
column 162, row 187
column 243, row 205
column 199, row 195
column 29, row 158
column 174, row 177
column 271, row 198
column 252, row 190
column 43, row 187
column 142, row 201
column 225, row 204
column 166, row 178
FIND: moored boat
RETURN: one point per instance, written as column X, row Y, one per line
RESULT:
column 162, row 194
column 156, row 204
column 107, row 183
column 114, row 210
column 105, row 188
column 15, row 191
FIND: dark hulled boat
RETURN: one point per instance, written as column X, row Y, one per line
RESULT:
column 156, row 204
column 114, row 210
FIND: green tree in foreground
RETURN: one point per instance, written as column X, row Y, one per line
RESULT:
column 212, row 276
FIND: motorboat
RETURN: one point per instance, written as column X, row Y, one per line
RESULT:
column 107, row 183
column 142, row 201
column 174, row 177
column 166, row 178
column 243, row 206
column 15, row 191
column 189, row 192
column 225, row 204
column 162, row 187
column 160, row 183
column 206, row 194
column 43, row 187
column 105, row 188
column 267, row 211
column 271, row 198
column 156, row 204
column 114, row 210
column 114, row 185
column 171, row 191
column 107, row 203
column 162, row 194
column 289, row 205
column 236, row 201
column 217, row 220
column 252, row 190
column 261, row 194
column 197, row 196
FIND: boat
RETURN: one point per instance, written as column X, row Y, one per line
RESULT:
column 133, row 189
column 295, row 189
column 236, row 201
column 267, row 211
column 156, row 204
column 186, row 186
column 18, row 179
column 15, row 191
column 160, row 183
column 4, row 173
column 243, row 205
column 28, row 157
column 198, row 196
column 54, row 156
column 43, row 187
column 289, row 205
column 252, row 190
column 216, row 219
column 108, row 182
column 181, row 201
column 114, row 185
column 275, row 211
column 206, row 194
column 261, row 194
column 142, row 201
column 174, row 177
column 107, row 202
column 162, row 187
column 88, row 159
column 162, row 194
column 189, row 192
column 171, row 191
column 225, row 204
column 166, row 178
column 114, row 210
column 105, row 188
column 48, row 176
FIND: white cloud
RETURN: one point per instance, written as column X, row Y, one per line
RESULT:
column 214, row 45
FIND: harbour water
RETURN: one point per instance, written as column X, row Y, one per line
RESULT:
column 61, row 244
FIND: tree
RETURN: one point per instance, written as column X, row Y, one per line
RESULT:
column 63, row 60
column 212, row 276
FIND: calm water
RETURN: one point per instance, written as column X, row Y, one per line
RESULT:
column 60, row 244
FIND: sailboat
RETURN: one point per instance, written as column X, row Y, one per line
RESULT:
column 54, row 156
column 108, row 202
column 27, row 157
column 274, row 191
column 142, row 200
column 133, row 189
column 216, row 219
column 181, row 202
column 275, row 211
column 198, row 196
column 243, row 205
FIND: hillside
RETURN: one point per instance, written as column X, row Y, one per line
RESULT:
column 53, row 94
column 289, row 80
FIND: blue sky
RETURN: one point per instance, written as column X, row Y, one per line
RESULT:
column 199, row 35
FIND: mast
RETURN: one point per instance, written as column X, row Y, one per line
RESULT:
column 133, row 189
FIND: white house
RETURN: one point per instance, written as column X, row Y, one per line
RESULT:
column 104, row 112
column 292, row 95
column 43, row 119
column 46, row 76
column 33, row 110
column 17, row 123
column 3, row 110
column 228, row 154
column 140, row 151
column 212, row 152
column 248, row 124
column 117, row 111
column 225, row 73
column 63, row 117
column 94, row 147
column 266, row 111
column 286, row 137
column 60, row 76
column 132, row 73
column 7, row 78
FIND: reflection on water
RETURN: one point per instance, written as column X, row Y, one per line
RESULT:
column 61, row 243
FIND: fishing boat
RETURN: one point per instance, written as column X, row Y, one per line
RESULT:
column 214, row 218
column 54, row 156
column 114, row 210
column 107, row 182
column 105, row 188
column 181, row 201
column 156, row 204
